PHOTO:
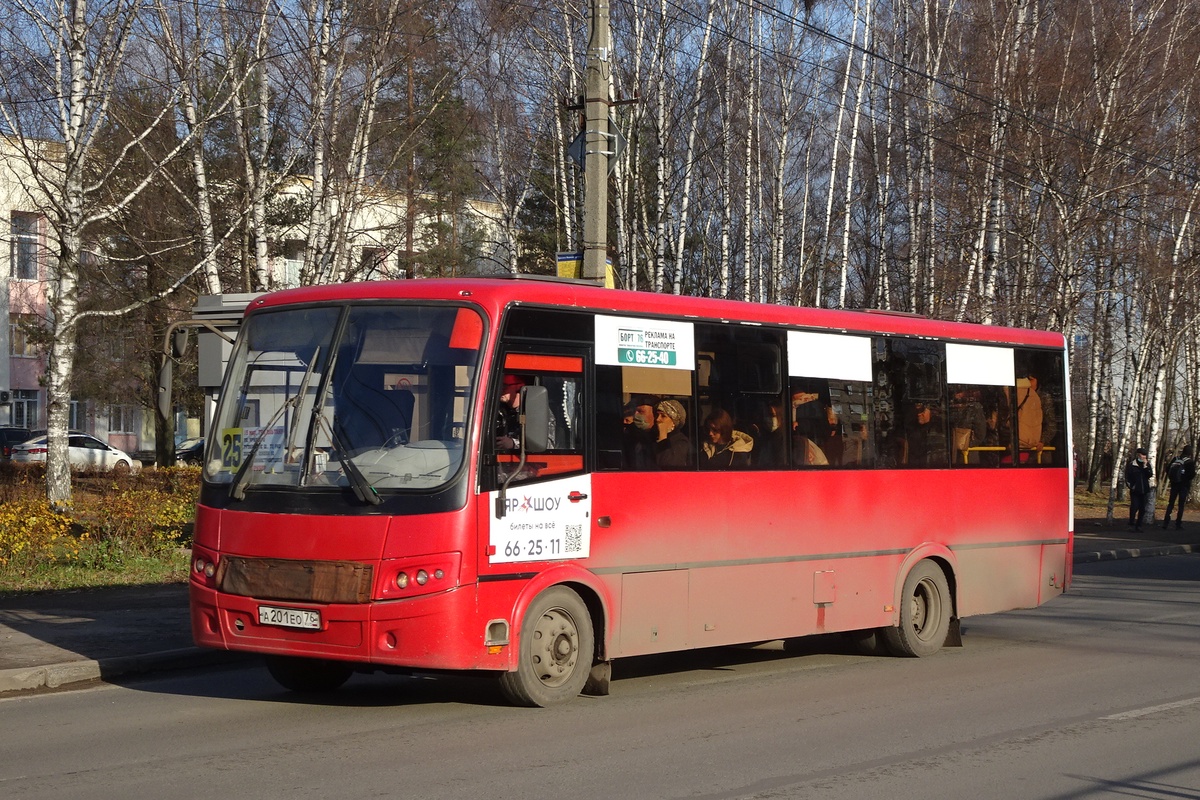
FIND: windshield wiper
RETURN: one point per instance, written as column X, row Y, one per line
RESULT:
column 362, row 488
column 241, row 478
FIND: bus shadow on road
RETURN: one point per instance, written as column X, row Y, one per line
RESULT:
column 247, row 678
column 816, row 648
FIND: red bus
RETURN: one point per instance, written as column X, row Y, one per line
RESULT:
column 535, row 477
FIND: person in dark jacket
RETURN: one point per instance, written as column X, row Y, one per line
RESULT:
column 1137, row 478
column 673, row 449
column 1180, row 474
column 640, row 435
column 725, row 448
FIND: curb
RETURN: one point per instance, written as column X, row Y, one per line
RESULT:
column 1135, row 552
column 54, row 676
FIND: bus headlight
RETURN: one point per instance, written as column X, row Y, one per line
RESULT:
column 422, row 574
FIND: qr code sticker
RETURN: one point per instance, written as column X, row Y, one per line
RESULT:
column 574, row 538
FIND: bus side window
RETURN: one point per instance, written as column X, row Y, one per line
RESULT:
column 628, row 417
column 810, row 429
column 831, row 423
column 740, row 391
column 980, row 425
column 910, row 404
column 564, row 453
column 1038, row 409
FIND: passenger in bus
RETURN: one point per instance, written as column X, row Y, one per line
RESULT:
column 834, row 443
column 806, row 452
column 1036, row 422
column 810, row 428
column 640, row 435
column 997, row 413
column 725, row 448
column 508, row 415
column 673, row 449
column 769, row 451
column 855, row 445
column 924, row 442
column 969, row 427
column 1029, row 415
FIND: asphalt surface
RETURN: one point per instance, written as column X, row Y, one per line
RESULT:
column 53, row 639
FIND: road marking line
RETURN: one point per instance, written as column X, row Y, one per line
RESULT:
column 1141, row 712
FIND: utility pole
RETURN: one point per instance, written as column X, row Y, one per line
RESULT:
column 598, row 144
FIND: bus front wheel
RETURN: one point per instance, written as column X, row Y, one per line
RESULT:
column 925, row 610
column 308, row 675
column 555, row 651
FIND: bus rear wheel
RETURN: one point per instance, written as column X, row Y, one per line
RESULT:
column 925, row 610
column 308, row 675
column 555, row 651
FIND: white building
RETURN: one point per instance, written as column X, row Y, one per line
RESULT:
column 377, row 244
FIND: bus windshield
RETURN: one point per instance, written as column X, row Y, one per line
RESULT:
column 371, row 397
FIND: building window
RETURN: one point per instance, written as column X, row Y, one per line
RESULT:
column 25, row 408
column 372, row 263
column 293, row 262
column 21, row 329
column 25, row 246
column 122, row 419
column 77, row 417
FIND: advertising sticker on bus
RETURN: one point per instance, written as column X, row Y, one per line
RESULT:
column 543, row 522
column 632, row 342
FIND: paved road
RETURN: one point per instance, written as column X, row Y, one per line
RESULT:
column 54, row 639
column 1094, row 695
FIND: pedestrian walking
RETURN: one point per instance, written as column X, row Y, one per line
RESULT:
column 1137, row 478
column 1180, row 473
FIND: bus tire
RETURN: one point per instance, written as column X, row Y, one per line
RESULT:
column 555, row 651
column 308, row 675
column 925, row 611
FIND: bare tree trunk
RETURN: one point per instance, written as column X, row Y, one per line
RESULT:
column 723, row 274
column 748, row 160
column 844, row 269
column 661, row 166
column 689, row 157
column 823, row 254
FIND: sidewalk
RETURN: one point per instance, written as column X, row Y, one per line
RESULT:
column 54, row 639
column 51, row 639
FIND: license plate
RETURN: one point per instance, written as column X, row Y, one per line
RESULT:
column 289, row 617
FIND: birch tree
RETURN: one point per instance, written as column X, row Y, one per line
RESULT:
column 73, row 57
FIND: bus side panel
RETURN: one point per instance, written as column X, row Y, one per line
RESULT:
column 770, row 555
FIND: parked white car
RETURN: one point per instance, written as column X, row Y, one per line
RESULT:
column 85, row 452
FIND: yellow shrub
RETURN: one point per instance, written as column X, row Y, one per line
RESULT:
column 144, row 519
column 30, row 532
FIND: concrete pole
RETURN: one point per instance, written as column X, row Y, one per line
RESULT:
column 598, row 145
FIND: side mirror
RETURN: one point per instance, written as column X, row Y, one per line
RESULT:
column 164, row 387
column 535, row 419
column 535, row 436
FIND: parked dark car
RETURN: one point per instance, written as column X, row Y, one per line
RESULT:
column 190, row 452
column 12, row 435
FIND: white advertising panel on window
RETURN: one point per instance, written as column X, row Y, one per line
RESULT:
column 542, row 522
column 835, row 356
column 632, row 342
column 979, row 365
